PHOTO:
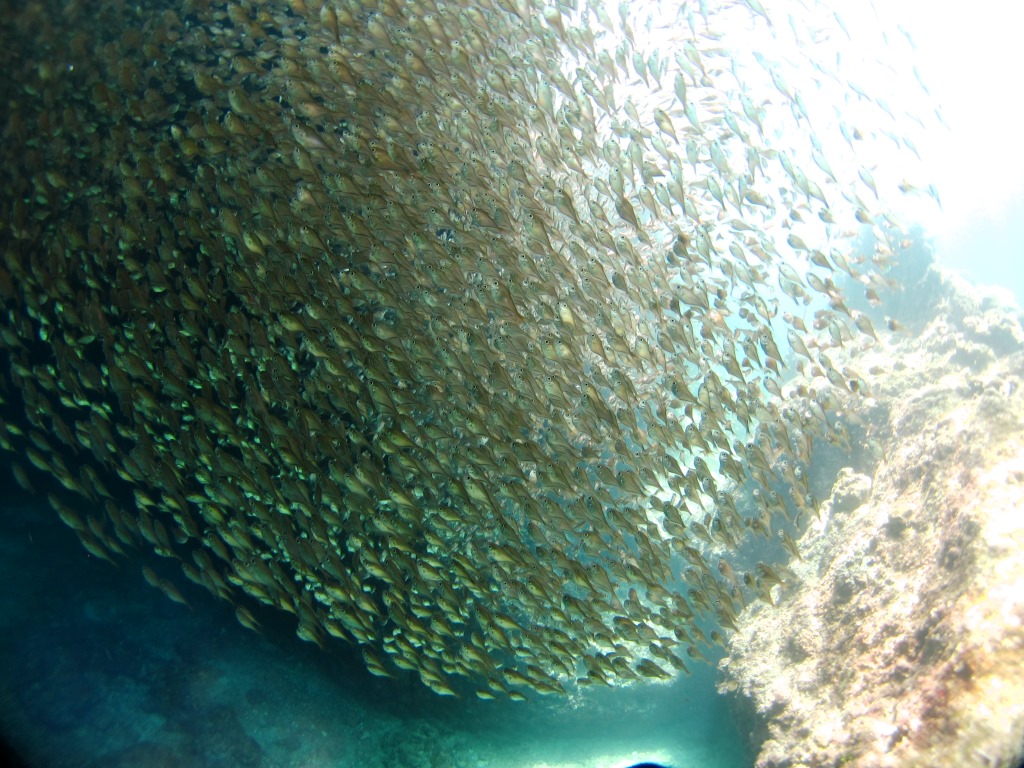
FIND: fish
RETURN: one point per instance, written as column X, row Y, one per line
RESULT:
column 447, row 334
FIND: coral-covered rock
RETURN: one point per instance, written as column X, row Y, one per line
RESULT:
column 900, row 639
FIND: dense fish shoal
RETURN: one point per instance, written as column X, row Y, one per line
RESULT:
column 458, row 332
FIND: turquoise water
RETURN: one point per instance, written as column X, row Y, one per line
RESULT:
column 99, row 669
column 990, row 251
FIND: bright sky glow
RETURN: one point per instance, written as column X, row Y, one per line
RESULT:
column 973, row 55
column 970, row 57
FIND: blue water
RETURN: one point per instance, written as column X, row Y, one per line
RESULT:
column 99, row 669
column 991, row 250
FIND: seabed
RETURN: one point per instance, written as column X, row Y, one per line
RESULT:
column 97, row 668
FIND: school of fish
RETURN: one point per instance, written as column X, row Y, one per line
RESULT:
column 457, row 330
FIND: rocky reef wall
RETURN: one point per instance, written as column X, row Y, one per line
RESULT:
column 898, row 640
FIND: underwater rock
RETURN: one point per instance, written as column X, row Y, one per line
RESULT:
column 899, row 642
column 849, row 491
